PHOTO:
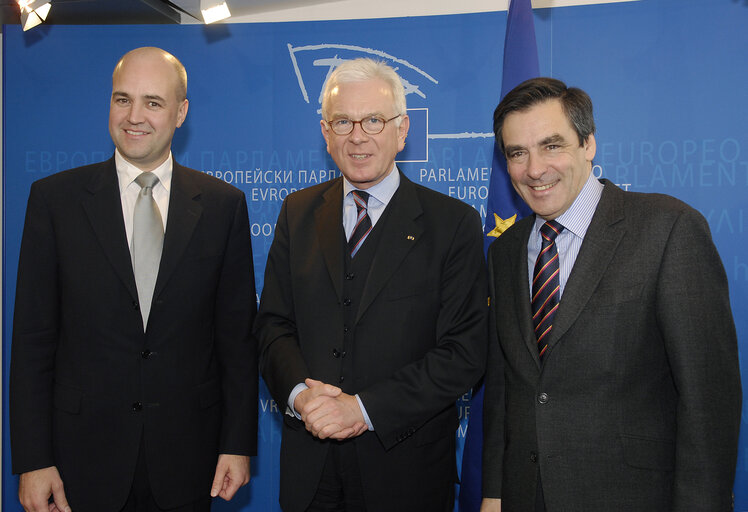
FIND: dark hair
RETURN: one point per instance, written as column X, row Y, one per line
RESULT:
column 576, row 104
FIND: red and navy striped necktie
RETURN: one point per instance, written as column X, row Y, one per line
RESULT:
column 546, row 288
column 363, row 222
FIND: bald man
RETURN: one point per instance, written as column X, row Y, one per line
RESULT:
column 133, row 379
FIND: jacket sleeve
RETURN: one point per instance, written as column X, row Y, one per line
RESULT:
column 695, row 319
column 414, row 394
column 35, row 337
column 281, row 361
column 235, row 309
column 493, row 401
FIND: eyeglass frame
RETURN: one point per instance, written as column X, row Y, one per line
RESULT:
column 360, row 123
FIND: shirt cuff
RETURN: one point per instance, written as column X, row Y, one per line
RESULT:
column 298, row 388
column 363, row 411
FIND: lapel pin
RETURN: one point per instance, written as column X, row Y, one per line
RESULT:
column 411, row 237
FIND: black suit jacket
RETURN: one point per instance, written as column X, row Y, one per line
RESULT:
column 419, row 338
column 86, row 382
column 636, row 405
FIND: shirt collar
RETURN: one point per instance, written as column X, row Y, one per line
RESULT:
column 579, row 215
column 382, row 191
column 127, row 172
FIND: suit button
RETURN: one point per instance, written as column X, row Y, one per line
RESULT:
column 135, row 304
column 345, row 329
column 341, row 379
column 145, row 354
column 342, row 354
column 137, row 407
column 543, row 398
column 335, row 353
column 533, row 457
column 350, row 275
column 347, row 302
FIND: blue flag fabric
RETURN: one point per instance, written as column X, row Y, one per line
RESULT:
column 503, row 207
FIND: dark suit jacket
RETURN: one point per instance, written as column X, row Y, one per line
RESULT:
column 420, row 338
column 86, row 382
column 637, row 403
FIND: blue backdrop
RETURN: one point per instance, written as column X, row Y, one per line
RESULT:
column 667, row 77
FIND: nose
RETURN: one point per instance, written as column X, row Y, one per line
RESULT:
column 535, row 166
column 135, row 114
column 358, row 134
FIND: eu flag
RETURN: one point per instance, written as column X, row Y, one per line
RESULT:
column 503, row 207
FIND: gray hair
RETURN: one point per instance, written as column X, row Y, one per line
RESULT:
column 361, row 70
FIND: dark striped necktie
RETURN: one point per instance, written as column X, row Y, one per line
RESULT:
column 546, row 288
column 363, row 222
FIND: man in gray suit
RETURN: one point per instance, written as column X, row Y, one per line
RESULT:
column 612, row 381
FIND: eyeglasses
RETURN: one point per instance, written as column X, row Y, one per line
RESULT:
column 372, row 125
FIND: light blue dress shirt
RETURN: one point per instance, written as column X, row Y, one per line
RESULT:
column 575, row 221
column 379, row 197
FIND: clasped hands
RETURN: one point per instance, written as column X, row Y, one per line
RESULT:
column 327, row 412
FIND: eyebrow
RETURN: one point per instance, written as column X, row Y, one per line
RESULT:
column 556, row 138
column 340, row 115
column 511, row 149
column 148, row 97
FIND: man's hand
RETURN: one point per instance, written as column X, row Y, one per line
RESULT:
column 490, row 505
column 356, row 430
column 332, row 414
column 232, row 471
column 316, row 389
column 35, row 488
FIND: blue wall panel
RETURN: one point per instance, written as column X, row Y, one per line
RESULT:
column 667, row 78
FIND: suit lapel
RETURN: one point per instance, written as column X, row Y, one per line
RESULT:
column 517, row 238
column 328, row 220
column 185, row 211
column 518, row 247
column 599, row 246
column 401, row 233
column 104, row 210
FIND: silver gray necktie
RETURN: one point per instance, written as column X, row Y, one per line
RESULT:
column 147, row 242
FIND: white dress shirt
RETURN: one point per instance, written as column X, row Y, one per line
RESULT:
column 129, row 190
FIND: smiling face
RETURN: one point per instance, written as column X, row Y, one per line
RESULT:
column 146, row 108
column 546, row 164
column 364, row 159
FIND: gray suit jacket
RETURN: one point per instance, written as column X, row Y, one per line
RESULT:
column 636, row 405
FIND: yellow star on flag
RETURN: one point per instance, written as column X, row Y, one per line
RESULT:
column 501, row 225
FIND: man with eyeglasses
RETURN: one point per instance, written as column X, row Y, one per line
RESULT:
column 373, row 316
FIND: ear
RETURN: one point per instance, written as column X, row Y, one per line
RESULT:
column 326, row 132
column 402, row 132
column 182, row 112
column 590, row 147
